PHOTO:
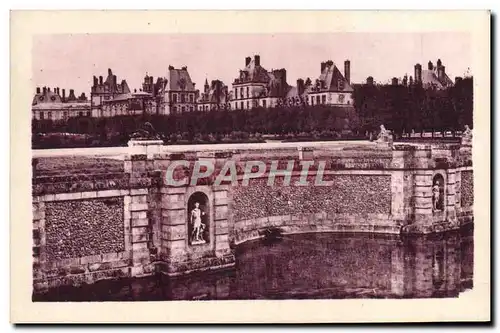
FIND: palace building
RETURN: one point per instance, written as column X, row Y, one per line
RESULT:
column 178, row 94
column 214, row 97
column 55, row 105
column 256, row 86
column 331, row 87
column 104, row 91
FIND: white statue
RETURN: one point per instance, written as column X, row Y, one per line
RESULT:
column 436, row 195
column 198, row 227
column 384, row 135
column 467, row 136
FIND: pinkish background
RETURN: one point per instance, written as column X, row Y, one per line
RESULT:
column 69, row 61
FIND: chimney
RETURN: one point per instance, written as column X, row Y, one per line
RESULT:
column 323, row 66
column 347, row 71
column 110, row 72
column 58, row 90
column 439, row 63
column 394, row 81
column 405, row 80
column 257, row 60
column 441, row 72
column 71, row 96
column 458, row 79
column 418, row 73
column 37, row 90
column 247, row 61
column 283, row 76
column 64, row 95
column 369, row 80
column 184, row 68
column 411, row 80
column 170, row 67
column 114, row 80
column 44, row 90
column 100, row 79
column 300, row 86
column 95, row 81
column 429, row 65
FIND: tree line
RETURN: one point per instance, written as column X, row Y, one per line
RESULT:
column 400, row 108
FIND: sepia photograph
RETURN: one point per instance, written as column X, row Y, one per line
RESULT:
column 203, row 166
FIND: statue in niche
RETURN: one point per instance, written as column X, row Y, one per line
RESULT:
column 198, row 226
column 437, row 196
column 467, row 136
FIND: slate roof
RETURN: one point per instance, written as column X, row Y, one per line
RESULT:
column 253, row 73
column 47, row 97
column 430, row 78
column 330, row 80
column 179, row 80
column 216, row 87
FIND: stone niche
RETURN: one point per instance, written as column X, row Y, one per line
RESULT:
column 198, row 219
column 193, row 239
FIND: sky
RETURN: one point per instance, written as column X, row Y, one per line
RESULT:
column 69, row 61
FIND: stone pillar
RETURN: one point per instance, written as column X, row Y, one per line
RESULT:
column 450, row 200
column 40, row 263
column 174, row 230
column 221, row 221
column 137, row 204
column 148, row 147
column 422, row 190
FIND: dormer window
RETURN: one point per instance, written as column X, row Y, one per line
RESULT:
column 341, row 84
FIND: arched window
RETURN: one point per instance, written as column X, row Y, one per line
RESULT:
column 198, row 219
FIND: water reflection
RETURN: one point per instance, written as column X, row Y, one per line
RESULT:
column 312, row 266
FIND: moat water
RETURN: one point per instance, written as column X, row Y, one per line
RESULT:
column 311, row 266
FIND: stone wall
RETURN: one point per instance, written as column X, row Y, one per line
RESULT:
column 79, row 228
column 467, row 189
column 354, row 194
column 88, row 227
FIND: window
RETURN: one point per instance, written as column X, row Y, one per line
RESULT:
column 323, row 99
column 236, row 92
column 264, row 103
column 183, row 98
column 50, row 115
column 192, row 108
column 191, row 98
column 341, row 98
column 312, row 100
column 317, row 99
column 88, row 113
column 80, row 114
column 174, row 98
column 174, row 109
column 65, row 114
column 248, row 104
column 341, row 84
column 182, row 109
column 248, row 95
column 42, row 115
column 241, row 93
